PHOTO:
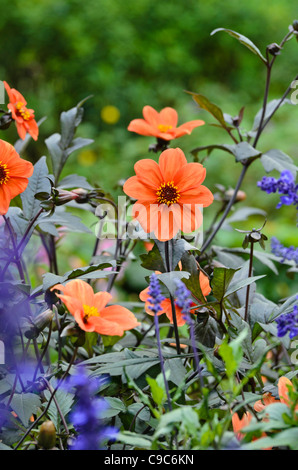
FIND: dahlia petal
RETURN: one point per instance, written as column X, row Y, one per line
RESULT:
column 149, row 173
column 33, row 129
column 169, row 313
column 5, row 199
column 101, row 299
column 201, row 196
column 168, row 116
column 204, row 284
column 140, row 126
column 84, row 325
column 170, row 162
column 136, row 189
column 13, row 94
column 189, row 218
column 190, row 176
column 283, row 391
column 188, row 127
column 17, row 186
column 123, row 317
column 21, row 129
column 105, row 327
column 165, row 135
column 20, row 168
column 79, row 290
column 151, row 116
column 72, row 304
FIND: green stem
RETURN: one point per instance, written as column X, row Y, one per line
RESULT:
column 249, row 275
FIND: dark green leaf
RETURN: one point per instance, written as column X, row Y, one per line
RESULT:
column 221, row 280
column 277, row 160
column 244, row 40
column 38, row 183
column 212, row 108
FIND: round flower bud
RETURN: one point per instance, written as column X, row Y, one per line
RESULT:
column 47, row 435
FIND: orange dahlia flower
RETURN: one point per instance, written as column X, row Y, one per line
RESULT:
column 90, row 311
column 166, row 306
column 14, row 174
column 169, row 194
column 162, row 125
column 283, row 391
column 240, row 423
column 24, row 117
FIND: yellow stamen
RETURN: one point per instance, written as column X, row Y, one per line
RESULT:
column 4, row 173
column 168, row 193
column 23, row 111
column 90, row 312
column 164, row 128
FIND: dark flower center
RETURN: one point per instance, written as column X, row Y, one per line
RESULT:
column 168, row 193
column 4, row 173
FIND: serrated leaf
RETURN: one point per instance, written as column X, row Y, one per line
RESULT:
column 153, row 260
column 25, row 405
column 65, row 401
column 116, row 406
column 221, row 280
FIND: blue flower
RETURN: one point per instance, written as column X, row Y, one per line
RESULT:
column 183, row 298
column 285, row 186
column 87, row 416
column 155, row 296
column 288, row 323
column 279, row 250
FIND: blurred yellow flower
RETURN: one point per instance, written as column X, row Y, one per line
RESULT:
column 87, row 158
column 110, row 114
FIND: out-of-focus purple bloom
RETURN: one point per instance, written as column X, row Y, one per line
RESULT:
column 268, row 184
column 183, row 299
column 288, row 323
column 285, row 186
column 155, row 296
column 87, row 416
column 285, row 253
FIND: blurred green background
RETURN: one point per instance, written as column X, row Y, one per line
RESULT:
column 138, row 52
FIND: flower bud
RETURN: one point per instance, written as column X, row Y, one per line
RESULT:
column 295, row 25
column 241, row 196
column 36, row 325
column 81, row 195
column 274, row 49
column 63, row 196
column 43, row 319
column 47, row 435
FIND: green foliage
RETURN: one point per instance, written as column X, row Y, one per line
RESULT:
column 175, row 388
